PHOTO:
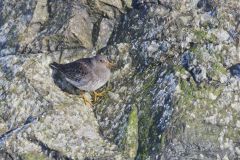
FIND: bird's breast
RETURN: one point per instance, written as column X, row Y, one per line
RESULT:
column 102, row 78
column 99, row 79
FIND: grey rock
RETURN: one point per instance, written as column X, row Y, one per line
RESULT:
column 53, row 129
column 104, row 32
column 81, row 33
column 170, row 95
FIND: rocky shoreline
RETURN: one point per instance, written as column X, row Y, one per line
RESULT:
column 174, row 93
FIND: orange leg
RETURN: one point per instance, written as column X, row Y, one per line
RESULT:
column 96, row 95
column 86, row 100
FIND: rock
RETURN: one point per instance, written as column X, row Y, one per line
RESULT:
column 235, row 106
column 223, row 35
column 63, row 128
column 131, row 145
column 114, row 96
column 207, row 5
column 187, row 60
column 108, row 8
column 83, row 32
column 238, row 124
column 235, row 70
column 198, row 72
column 40, row 16
column 211, row 119
column 116, row 3
column 170, row 94
column 225, row 157
column 128, row 3
column 164, row 46
column 30, row 34
column 40, row 13
column 15, row 19
column 139, row 3
column 237, row 150
column 104, row 32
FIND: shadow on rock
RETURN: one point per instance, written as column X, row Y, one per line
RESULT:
column 60, row 80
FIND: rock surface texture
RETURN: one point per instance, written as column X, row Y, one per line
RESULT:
column 174, row 92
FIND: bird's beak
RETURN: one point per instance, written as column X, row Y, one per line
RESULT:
column 110, row 65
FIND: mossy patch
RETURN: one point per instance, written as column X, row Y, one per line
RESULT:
column 217, row 70
column 204, row 36
column 131, row 144
column 56, row 38
column 145, row 123
column 148, row 131
column 34, row 156
column 195, row 104
column 200, row 34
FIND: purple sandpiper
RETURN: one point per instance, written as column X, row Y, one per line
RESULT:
column 87, row 74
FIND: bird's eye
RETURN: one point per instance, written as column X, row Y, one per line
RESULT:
column 101, row 60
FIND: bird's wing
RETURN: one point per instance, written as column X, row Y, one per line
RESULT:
column 77, row 72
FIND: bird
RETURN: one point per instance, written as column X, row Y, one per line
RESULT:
column 87, row 74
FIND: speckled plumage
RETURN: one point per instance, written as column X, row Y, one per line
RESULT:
column 87, row 74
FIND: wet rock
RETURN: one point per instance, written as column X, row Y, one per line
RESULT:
column 189, row 63
column 198, row 73
column 141, row 58
column 235, row 70
column 164, row 46
column 207, row 5
column 141, row 3
column 187, row 60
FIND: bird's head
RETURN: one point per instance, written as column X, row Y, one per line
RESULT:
column 103, row 60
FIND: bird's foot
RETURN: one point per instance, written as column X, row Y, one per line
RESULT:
column 86, row 100
column 96, row 95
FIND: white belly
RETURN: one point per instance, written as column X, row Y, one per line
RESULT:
column 93, row 85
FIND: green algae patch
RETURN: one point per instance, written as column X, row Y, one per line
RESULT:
column 145, row 123
column 34, row 156
column 217, row 69
column 200, row 34
column 131, row 145
column 196, row 103
column 147, row 132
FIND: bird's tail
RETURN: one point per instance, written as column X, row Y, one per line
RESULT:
column 54, row 65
